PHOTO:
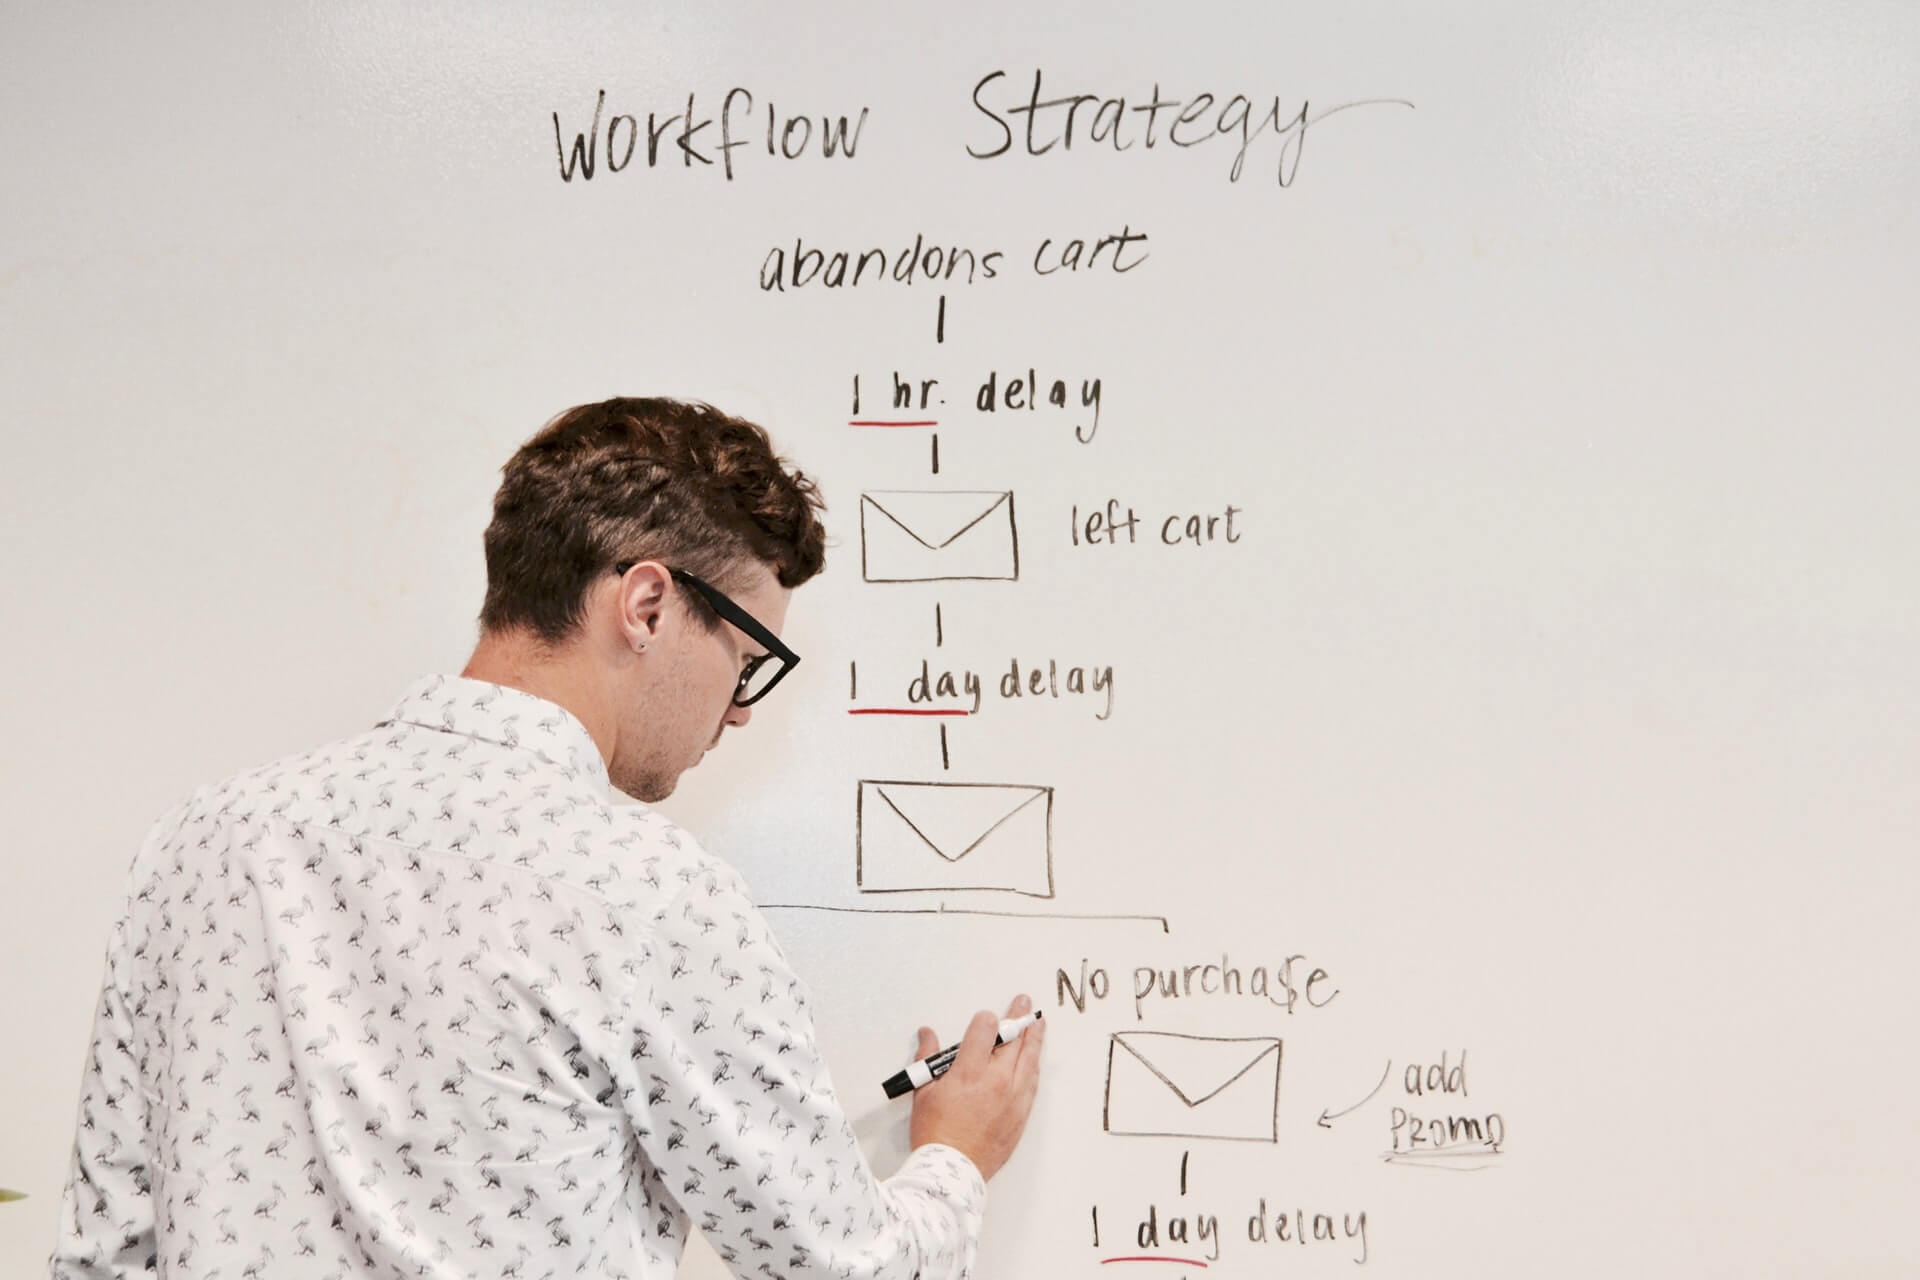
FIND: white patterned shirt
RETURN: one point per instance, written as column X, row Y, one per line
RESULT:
column 428, row 1003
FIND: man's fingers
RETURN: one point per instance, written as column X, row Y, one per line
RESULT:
column 978, row 1041
column 1026, row 1065
column 1022, row 1006
column 977, row 1045
column 1030, row 1038
column 929, row 1044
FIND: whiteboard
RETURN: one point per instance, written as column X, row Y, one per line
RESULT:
column 1418, row 514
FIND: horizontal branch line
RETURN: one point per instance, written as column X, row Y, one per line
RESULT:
column 1165, row 926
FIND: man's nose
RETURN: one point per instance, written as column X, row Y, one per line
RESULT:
column 737, row 715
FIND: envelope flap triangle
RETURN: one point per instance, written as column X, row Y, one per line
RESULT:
column 955, row 818
column 935, row 519
column 1196, row 1067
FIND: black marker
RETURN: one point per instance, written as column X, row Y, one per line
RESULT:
column 927, row 1070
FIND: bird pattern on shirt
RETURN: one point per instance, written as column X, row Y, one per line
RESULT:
column 426, row 1002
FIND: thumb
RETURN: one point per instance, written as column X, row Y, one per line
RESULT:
column 929, row 1044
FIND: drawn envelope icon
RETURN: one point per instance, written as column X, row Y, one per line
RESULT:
column 938, row 536
column 954, row 835
column 1166, row 1085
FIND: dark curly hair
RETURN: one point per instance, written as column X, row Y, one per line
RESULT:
column 642, row 479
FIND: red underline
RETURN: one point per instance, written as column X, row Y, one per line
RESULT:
column 1185, row 1262
column 871, row 422
column 902, row 711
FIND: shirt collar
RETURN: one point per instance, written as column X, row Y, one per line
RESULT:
column 513, row 718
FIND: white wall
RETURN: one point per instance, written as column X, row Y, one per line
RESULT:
column 1557, row 698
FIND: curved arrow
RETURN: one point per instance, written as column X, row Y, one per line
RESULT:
column 1326, row 1116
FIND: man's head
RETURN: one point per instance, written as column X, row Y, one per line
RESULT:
column 621, row 533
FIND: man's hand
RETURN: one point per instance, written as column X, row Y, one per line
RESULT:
column 980, row 1106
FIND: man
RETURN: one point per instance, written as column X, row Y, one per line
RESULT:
column 427, row 1002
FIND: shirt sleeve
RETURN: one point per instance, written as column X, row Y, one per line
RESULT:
column 106, row 1212
column 735, row 1113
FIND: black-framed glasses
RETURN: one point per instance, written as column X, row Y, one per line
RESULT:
column 763, row 670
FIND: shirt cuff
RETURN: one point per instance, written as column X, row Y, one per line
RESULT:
column 953, row 1169
column 945, row 1176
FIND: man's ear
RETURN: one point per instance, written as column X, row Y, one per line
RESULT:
column 640, row 598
